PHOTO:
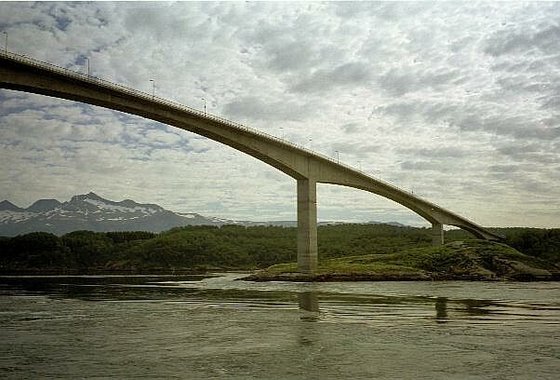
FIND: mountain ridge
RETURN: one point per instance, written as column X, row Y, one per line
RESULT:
column 91, row 212
column 95, row 213
column 43, row 205
column 6, row 205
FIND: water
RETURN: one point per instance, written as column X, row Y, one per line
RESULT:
column 199, row 327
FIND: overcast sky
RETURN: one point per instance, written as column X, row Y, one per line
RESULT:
column 458, row 102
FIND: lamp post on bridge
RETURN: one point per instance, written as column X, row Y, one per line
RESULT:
column 6, row 42
column 204, row 99
column 337, row 156
column 153, row 89
column 87, row 61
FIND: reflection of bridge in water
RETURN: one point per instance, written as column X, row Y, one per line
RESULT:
column 388, row 307
column 306, row 167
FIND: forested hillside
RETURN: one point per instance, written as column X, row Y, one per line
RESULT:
column 230, row 247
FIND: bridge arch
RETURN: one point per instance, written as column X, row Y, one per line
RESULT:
column 306, row 167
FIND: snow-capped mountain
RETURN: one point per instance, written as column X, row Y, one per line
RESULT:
column 94, row 213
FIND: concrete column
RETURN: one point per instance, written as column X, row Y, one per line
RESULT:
column 437, row 233
column 307, row 225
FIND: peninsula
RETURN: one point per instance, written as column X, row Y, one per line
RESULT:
column 472, row 260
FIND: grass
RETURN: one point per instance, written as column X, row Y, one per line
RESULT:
column 347, row 266
column 467, row 259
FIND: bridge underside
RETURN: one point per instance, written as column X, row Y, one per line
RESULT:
column 308, row 168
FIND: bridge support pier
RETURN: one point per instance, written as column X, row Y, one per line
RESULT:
column 307, row 225
column 437, row 233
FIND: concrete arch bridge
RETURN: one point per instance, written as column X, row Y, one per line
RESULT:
column 306, row 167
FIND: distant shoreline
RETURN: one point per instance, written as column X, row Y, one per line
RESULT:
column 379, row 277
column 265, row 276
column 101, row 272
column 346, row 253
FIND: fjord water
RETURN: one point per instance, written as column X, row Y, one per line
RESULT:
column 213, row 327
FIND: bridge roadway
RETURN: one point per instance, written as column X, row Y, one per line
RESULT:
column 306, row 167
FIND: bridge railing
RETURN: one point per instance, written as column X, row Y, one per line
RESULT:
column 182, row 107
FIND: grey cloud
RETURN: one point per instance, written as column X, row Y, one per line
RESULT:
column 542, row 85
column 354, row 127
column 282, row 48
column 504, row 43
column 255, row 108
column 293, row 42
column 56, row 32
column 534, row 185
column 160, row 137
column 516, row 83
column 476, row 115
column 165, row 23
column 355, row 149
column 292, row 56
column 437, row 152
column 535, row 154
column 348, row 74
column 548, row 40
column 508, row 42
column 430, row 112
column 506, row 174
column 519, row 149
column 403, row 110
column 504, row 171
column 353, row 9
column 424, row 166
column 551, row 103
column 517, row 125
column 392, row 11
column 398, row 82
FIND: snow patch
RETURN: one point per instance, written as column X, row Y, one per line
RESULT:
column 115, row 208
column 15, row 216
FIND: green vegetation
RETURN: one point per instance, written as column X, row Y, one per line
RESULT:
column 212, row 247
column 468, row 260
column 347, row 249
column 79, row 251
column 541, row 243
